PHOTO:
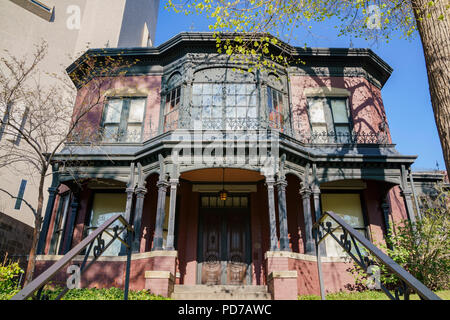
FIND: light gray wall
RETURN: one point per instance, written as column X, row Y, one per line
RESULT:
column 101, row 22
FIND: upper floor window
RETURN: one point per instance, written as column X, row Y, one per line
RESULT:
column 275, row 108
column 329, row 118
column 122, row 119
column 171, row 109
column 224, row 105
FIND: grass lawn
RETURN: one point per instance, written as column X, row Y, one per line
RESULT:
column 367, row 295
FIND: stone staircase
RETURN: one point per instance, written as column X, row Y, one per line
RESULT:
column 220, row 292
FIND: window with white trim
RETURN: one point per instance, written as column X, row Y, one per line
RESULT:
column 330, row 119
column 123, row 119
column 171, row 109
column 275, row 108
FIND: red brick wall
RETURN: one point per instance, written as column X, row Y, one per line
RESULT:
column 92, row 97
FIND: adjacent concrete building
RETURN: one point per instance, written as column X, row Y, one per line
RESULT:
column 69, row 27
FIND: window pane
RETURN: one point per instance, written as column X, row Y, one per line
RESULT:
column 104, row 207
column 230, row 100
column 339, row 110
column 252, row 112
column 270, row 99
column 316, row 111
column 206, row 111
column 113, row 111
column 241, row 112
column 213, row 201
column 197, row 88
column 205, row 202
column 231, row 88
column 342, row 134
column 137, row 107
column 197, row 100
column 241, row 88
column 217, row 89
column 217, row 100
column 241, row 100
column 133, row 132
column 207, row 100
column 251, row 88
column 111, row 132
column 252, row 100
column 207, row 88
column 216, row 112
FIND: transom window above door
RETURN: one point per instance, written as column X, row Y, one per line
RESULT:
column 330, row 120
column 224, row 105
column 122, row 119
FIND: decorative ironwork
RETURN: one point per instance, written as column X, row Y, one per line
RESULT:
column 96, row 237
column 255, row 124
column 353, row 243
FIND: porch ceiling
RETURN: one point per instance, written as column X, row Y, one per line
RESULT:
column 217, row 175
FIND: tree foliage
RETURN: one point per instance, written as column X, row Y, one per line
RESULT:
column 248, row 28
column 9, row 278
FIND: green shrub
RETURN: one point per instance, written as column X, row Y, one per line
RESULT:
column 421, row 248
column 100, row 294
column 9, row 278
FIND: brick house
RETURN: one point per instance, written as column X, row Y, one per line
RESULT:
column 240, row 215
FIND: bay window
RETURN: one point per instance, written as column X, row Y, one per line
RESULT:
column 224, row 105
column 122, row 119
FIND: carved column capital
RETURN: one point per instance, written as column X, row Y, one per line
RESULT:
column 140, row 191
column 161, row 184
column 305, row 192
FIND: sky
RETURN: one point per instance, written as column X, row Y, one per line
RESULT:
column 405, row 95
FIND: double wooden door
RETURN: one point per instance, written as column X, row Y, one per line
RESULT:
column 224, row 247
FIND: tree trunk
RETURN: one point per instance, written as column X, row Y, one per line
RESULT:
column 37, row 228
column 435, row 36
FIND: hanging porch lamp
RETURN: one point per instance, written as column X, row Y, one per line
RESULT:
column 223, row 193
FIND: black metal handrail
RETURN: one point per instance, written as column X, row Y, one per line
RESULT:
column 39, row 282
column 350, row 237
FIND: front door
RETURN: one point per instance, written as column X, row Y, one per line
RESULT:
column 224, row 245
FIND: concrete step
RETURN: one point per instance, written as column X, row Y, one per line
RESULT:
column 220, row 292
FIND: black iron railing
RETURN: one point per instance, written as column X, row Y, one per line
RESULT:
column 96, row 246
column 359, row 248
column 294, row 131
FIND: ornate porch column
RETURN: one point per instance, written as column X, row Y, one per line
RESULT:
column 162, row 185
column 270, row 182
column 407, row 195
column 282, row 214
column 140, row 195
column 52, row 191
column 385, row 208
column 173, row 182
column 305, row 192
